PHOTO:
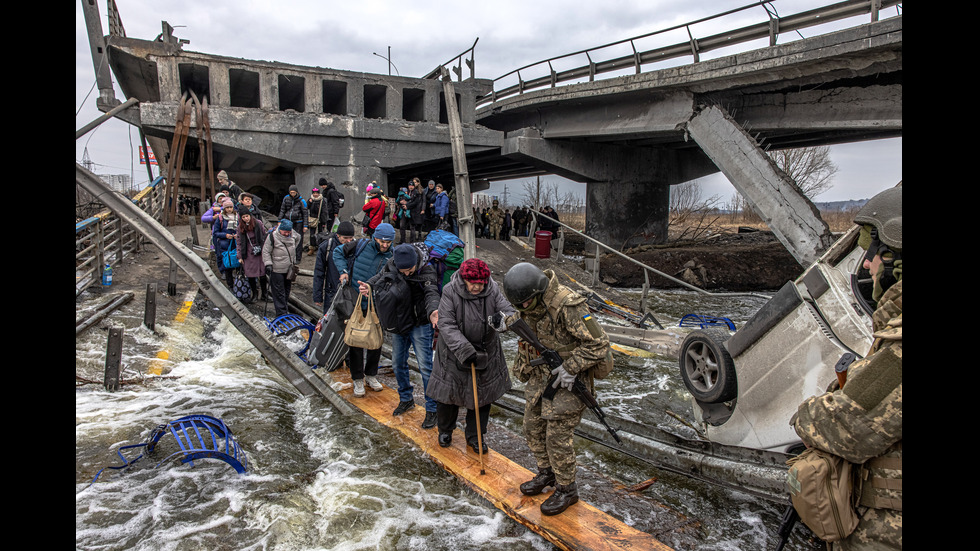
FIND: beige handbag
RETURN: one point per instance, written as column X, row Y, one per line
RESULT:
column 364, row 330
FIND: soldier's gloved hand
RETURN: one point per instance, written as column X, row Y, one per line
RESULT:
column 497, row 322
column 565, row 379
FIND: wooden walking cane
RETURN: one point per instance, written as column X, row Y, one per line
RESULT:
column 479, row 427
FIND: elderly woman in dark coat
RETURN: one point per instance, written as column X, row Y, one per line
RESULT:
column 467, row 337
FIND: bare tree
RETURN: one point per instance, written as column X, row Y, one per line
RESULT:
column 810, row 167
column 690, row 215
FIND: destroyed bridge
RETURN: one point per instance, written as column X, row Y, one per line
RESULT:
column 271, row 125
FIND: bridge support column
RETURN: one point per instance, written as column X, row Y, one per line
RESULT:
column 627, row 197
column 770, row 191
column 627, row 213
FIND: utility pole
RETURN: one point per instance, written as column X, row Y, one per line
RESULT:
column 464, row 201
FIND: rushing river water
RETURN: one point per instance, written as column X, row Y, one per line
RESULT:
column 320, row 480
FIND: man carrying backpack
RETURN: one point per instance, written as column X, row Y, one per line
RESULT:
column 295, row 210
column 334, row 201
column 325, row 272
column 406, row 295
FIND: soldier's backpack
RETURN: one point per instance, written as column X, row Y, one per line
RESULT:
column 822, row 490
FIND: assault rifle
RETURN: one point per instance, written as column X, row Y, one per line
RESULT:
column 551, row 357
column 790, row 517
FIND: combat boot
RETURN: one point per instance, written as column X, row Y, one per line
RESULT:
column 544, row 478
column 563, row 498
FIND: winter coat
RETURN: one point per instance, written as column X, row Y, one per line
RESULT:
column 403, row 210
column 442, row 205
column 209, row 215
column 463, row 327
column 294, row 209
column 279, row 252
column 366, row 265
column 332, row 197
column 325, row 273
column 219, row 229
column 318, row 209
column 375, row 207
column 416, row 204
column 251, row 263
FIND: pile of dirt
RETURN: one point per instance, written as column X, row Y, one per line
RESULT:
column 754, row 261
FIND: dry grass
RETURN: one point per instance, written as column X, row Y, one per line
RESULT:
column 839, row 221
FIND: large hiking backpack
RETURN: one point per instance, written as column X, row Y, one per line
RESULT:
column 393, row 303
column 445, row 254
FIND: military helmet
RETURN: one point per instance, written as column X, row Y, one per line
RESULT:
column 884, row 213
column 523, row 282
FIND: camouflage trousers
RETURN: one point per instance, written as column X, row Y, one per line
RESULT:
column 552, row 442
column 879, row 529
column 495, row 230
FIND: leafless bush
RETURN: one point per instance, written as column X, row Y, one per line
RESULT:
column 691, row 216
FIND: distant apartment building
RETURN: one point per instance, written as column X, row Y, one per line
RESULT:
column 118, row 182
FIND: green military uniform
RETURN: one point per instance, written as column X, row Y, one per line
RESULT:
column 496, row 216
column 562, row 321
column 862, row 422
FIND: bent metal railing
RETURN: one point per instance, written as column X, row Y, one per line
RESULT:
column 106, row 239
column 771, row 27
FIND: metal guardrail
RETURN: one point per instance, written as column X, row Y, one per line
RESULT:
column 771, row 27
column 456, row 64
column 105, row 238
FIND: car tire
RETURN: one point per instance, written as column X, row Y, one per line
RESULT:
column 707, row 367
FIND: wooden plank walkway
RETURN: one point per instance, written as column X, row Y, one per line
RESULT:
column 580, row 527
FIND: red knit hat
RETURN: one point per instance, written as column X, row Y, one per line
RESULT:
column 474, row 270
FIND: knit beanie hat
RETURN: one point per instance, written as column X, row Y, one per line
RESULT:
column 227, row 202
column 474, row 270
column 405, row 256
column 346, row 229
column 285, row 225
column 385, row 232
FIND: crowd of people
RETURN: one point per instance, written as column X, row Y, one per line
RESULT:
column 453, row 326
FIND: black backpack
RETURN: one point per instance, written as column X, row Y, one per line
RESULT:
column 393, row 303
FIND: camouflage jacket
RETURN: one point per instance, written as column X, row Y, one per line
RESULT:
column 562, row 321
column 496, row 215
column 862, row 422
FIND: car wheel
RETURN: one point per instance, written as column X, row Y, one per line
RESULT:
column 707, row 368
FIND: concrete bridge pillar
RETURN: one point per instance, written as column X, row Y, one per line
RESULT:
column 628, row 188
column 349, row 180
column 624, row 213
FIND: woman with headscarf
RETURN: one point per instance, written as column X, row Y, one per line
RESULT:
column 251, row 237
column 471, row 311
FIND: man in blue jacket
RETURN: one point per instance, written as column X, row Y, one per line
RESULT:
column 359, row 261
column 410, row 314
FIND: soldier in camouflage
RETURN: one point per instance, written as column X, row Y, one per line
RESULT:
column 496, row 215
column 562, row 322
column 862, row 421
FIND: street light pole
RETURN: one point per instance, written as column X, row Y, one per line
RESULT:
column 388, row 59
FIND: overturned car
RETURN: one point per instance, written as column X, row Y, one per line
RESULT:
column 747, row 385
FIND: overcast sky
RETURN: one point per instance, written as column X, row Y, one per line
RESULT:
column 425, row 33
